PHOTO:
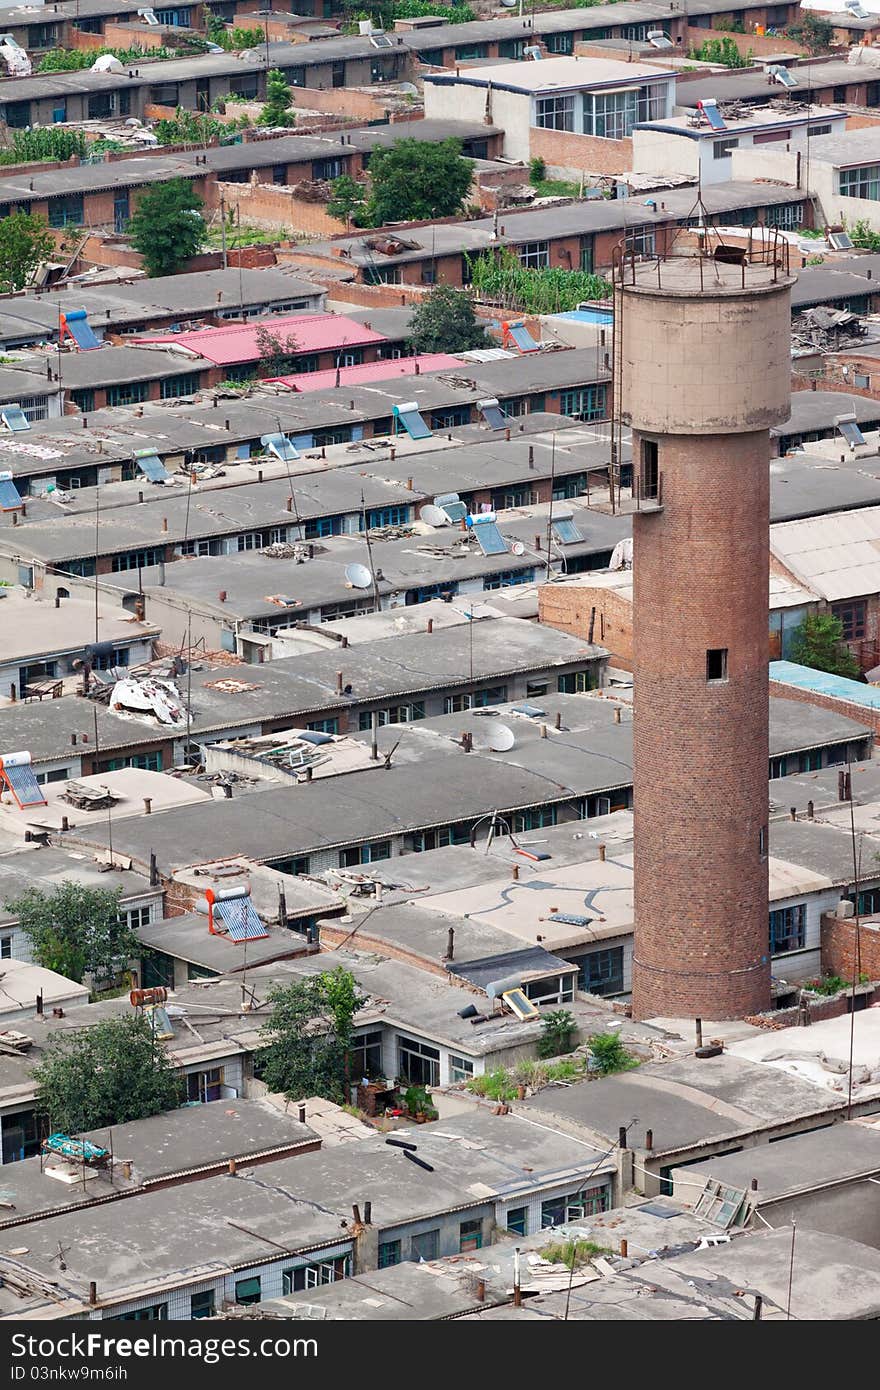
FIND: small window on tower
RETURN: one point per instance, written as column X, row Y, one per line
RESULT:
column 650, row 469
column 716, row 664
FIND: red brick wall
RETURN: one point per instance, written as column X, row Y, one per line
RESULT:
column 701, row 750
column 839, row 954
column 559, row 148
column 568, row 607
column 862, row 714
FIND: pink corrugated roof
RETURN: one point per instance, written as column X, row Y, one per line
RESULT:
column 238, row 342
column 370, row 371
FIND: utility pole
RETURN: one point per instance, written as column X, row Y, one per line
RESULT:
column 223, row 232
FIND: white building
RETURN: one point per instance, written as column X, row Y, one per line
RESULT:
column 843, row 173
column 536, row 103
column 725, row 148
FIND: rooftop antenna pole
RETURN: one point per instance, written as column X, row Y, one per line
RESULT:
column 790, row 1271
column 188, row 684
column 289, row 477
column 471, row 642
column 376, row 608
column 97, row 533
column 857, row 960
column 607, row 1154
column 550, row 508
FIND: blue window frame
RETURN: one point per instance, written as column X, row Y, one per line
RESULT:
column 387, row 516
column 584, row 402
column 601, row 972
column 788, row 929
column 324, row 526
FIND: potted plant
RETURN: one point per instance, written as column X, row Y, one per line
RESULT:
column 419, row 1105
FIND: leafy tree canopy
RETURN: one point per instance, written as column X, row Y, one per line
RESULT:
column 167, row 226
column 25, row 241
column 108, row 1074
column 276, row 353
column 76, row 930
column 818, row 643
column 417, row 179
column 279, row 100
column 348, row 200
column 308, row 1036
column 446, row 322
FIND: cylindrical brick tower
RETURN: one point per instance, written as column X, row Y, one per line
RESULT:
column 704, row 372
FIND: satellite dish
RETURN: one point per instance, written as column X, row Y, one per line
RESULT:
column 433, row 516
column 517, row 548
column 493, row 735
column 358, row 576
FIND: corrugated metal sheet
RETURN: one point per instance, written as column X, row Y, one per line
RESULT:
column 238, row 342
column 838, row 556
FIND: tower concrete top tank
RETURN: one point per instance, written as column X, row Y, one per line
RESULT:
column 706, row 346
column 704, row 365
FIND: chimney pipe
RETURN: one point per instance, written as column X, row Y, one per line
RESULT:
column 368, row 1213
column 232, row 1167
column 617, row 714
column 154, row 871
column 93, row 1292
column 65, row 823
column 557, row 723
column 338, row 682
column 374, row 736
column 621, row 1137
column 481, row 1291
column 793, row 813
column 467, row 741
column 450, row 944
column 356, row 1213
column 515, row 872
column 430, row 625
column 811, row 811
column 39, row 1005
column 222, row 596
column 601, row 854
column 759, row 1308
column 649, row 1139
column 699, row 1027
column 148, row 805
column 302, row 1114
column 531, row 456
column 517, row 1288
column 624, row 1248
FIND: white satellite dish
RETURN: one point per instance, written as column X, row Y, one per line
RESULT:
column 517, row 548
column 433, row 516
column 358, row 576
column 493, row 735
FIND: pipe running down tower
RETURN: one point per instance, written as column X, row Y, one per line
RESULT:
column 704, row 374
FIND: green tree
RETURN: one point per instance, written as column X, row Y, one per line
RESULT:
column 276, row 353
column 416, row 179
column 347, row 200
column 308, row 1036
column 277, row 110
column 609, row 1053
column 557, row 1029
column 76, row 930
column 862, row 236
column 167, row 226
column 815, row 33
column 25, row 241
column 215, row 28
column 108, row 1074
column 818, row 643
column 446, row 322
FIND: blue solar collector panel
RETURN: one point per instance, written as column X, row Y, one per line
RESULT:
column 25, row 787
column 240, row 919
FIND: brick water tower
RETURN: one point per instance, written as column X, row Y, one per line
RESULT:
column 703, row 359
